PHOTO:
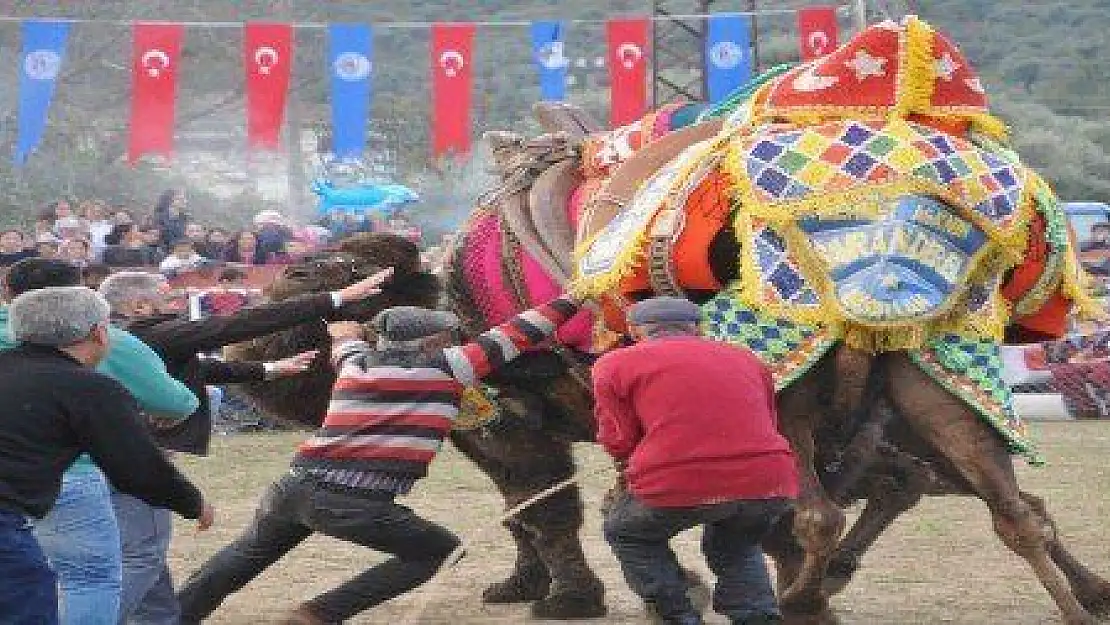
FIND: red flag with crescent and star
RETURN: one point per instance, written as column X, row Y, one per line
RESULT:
column 452, row 72
column 628, row 61
column 156, row 51
column 817, row 31
column 268, row 60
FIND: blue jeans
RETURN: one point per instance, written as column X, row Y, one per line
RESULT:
column 81, row 540
column 145, row 533
column 28, row 592
column 640, row 535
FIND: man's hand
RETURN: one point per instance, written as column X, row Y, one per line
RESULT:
column 207, row 517
column 346, row 331
column 294, row 365
column 366, row 288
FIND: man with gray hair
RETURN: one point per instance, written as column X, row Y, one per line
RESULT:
column 692, row 425
column 139, row 302
column 55, row 408
column 79, row 535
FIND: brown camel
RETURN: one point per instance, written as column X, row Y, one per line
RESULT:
column 891, row 451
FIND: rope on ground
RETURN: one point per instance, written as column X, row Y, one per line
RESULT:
column 482, row 536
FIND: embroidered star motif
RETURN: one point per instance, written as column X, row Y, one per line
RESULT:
column 864, row 65
column 945, row 67
column 808, row 81
column 975, row 85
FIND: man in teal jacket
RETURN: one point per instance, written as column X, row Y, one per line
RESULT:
column 79, row 535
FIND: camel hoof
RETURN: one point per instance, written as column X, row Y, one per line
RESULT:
column 581, row 603
column 839, row 574
column 821, row 617
column 803, row 600
column 1097, row 601
column 518, row 588
column 808, row 607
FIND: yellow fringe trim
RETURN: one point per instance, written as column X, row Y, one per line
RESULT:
column 1074, row 286
column 631, row 255
column 989, row 125
column 885, row 340
column 917, row 74
column 1004, row 249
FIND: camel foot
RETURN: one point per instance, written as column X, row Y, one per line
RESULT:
column 822, row 617
column 807, row 608
column 841, row 569
column 519, row 588
column 803, row 599
column 1096, row 599
column 572, row 604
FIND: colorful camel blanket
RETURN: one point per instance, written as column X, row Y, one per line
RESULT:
column 971, row 369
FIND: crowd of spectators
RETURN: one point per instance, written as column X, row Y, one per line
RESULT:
column 90, row 233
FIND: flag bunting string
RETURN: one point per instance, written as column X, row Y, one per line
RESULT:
column 843, row 8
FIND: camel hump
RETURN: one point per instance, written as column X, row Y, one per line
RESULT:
column 619, row 190
column 563, row 117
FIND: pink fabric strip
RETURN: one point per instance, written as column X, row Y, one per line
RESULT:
column 482, row 268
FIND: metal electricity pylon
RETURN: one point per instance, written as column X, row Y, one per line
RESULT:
column 678, row 50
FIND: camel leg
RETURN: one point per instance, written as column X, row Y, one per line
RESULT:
column 818, row 525
column 783, row 547
column 895, row 482
column 530, row 580
column 522, row 462
column 886, row 503
column 980, row 456
column 1092, row 590
column 818, row 522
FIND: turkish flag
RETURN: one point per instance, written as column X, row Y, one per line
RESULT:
column 627, row 69
column 817, row 31
column 452, row 73
column 156, row 51
column 268, row 60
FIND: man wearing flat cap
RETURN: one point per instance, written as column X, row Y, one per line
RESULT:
column 692, row 424
column 390, row 409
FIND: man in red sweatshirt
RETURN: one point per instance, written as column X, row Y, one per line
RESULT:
column 693, row 424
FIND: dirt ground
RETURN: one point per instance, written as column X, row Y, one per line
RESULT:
column 939, row 564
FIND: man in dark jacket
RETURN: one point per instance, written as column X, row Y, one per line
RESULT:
column 138, row 299
column 57, row 407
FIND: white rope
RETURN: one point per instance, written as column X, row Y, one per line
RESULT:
column 416, row 24
column 456, row 556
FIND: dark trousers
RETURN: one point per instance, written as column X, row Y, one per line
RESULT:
column 28, row 588
column 291, row 511
column 640, row 537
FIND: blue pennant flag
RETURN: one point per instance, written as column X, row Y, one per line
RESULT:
column 728, row 55
column 548, row 53
column 350, row 57
column 44, row 46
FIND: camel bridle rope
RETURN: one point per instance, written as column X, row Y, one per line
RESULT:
column 483, row 536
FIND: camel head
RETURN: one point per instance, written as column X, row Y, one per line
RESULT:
column 302, row 400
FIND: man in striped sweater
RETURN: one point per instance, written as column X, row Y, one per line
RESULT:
column 390, row 410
